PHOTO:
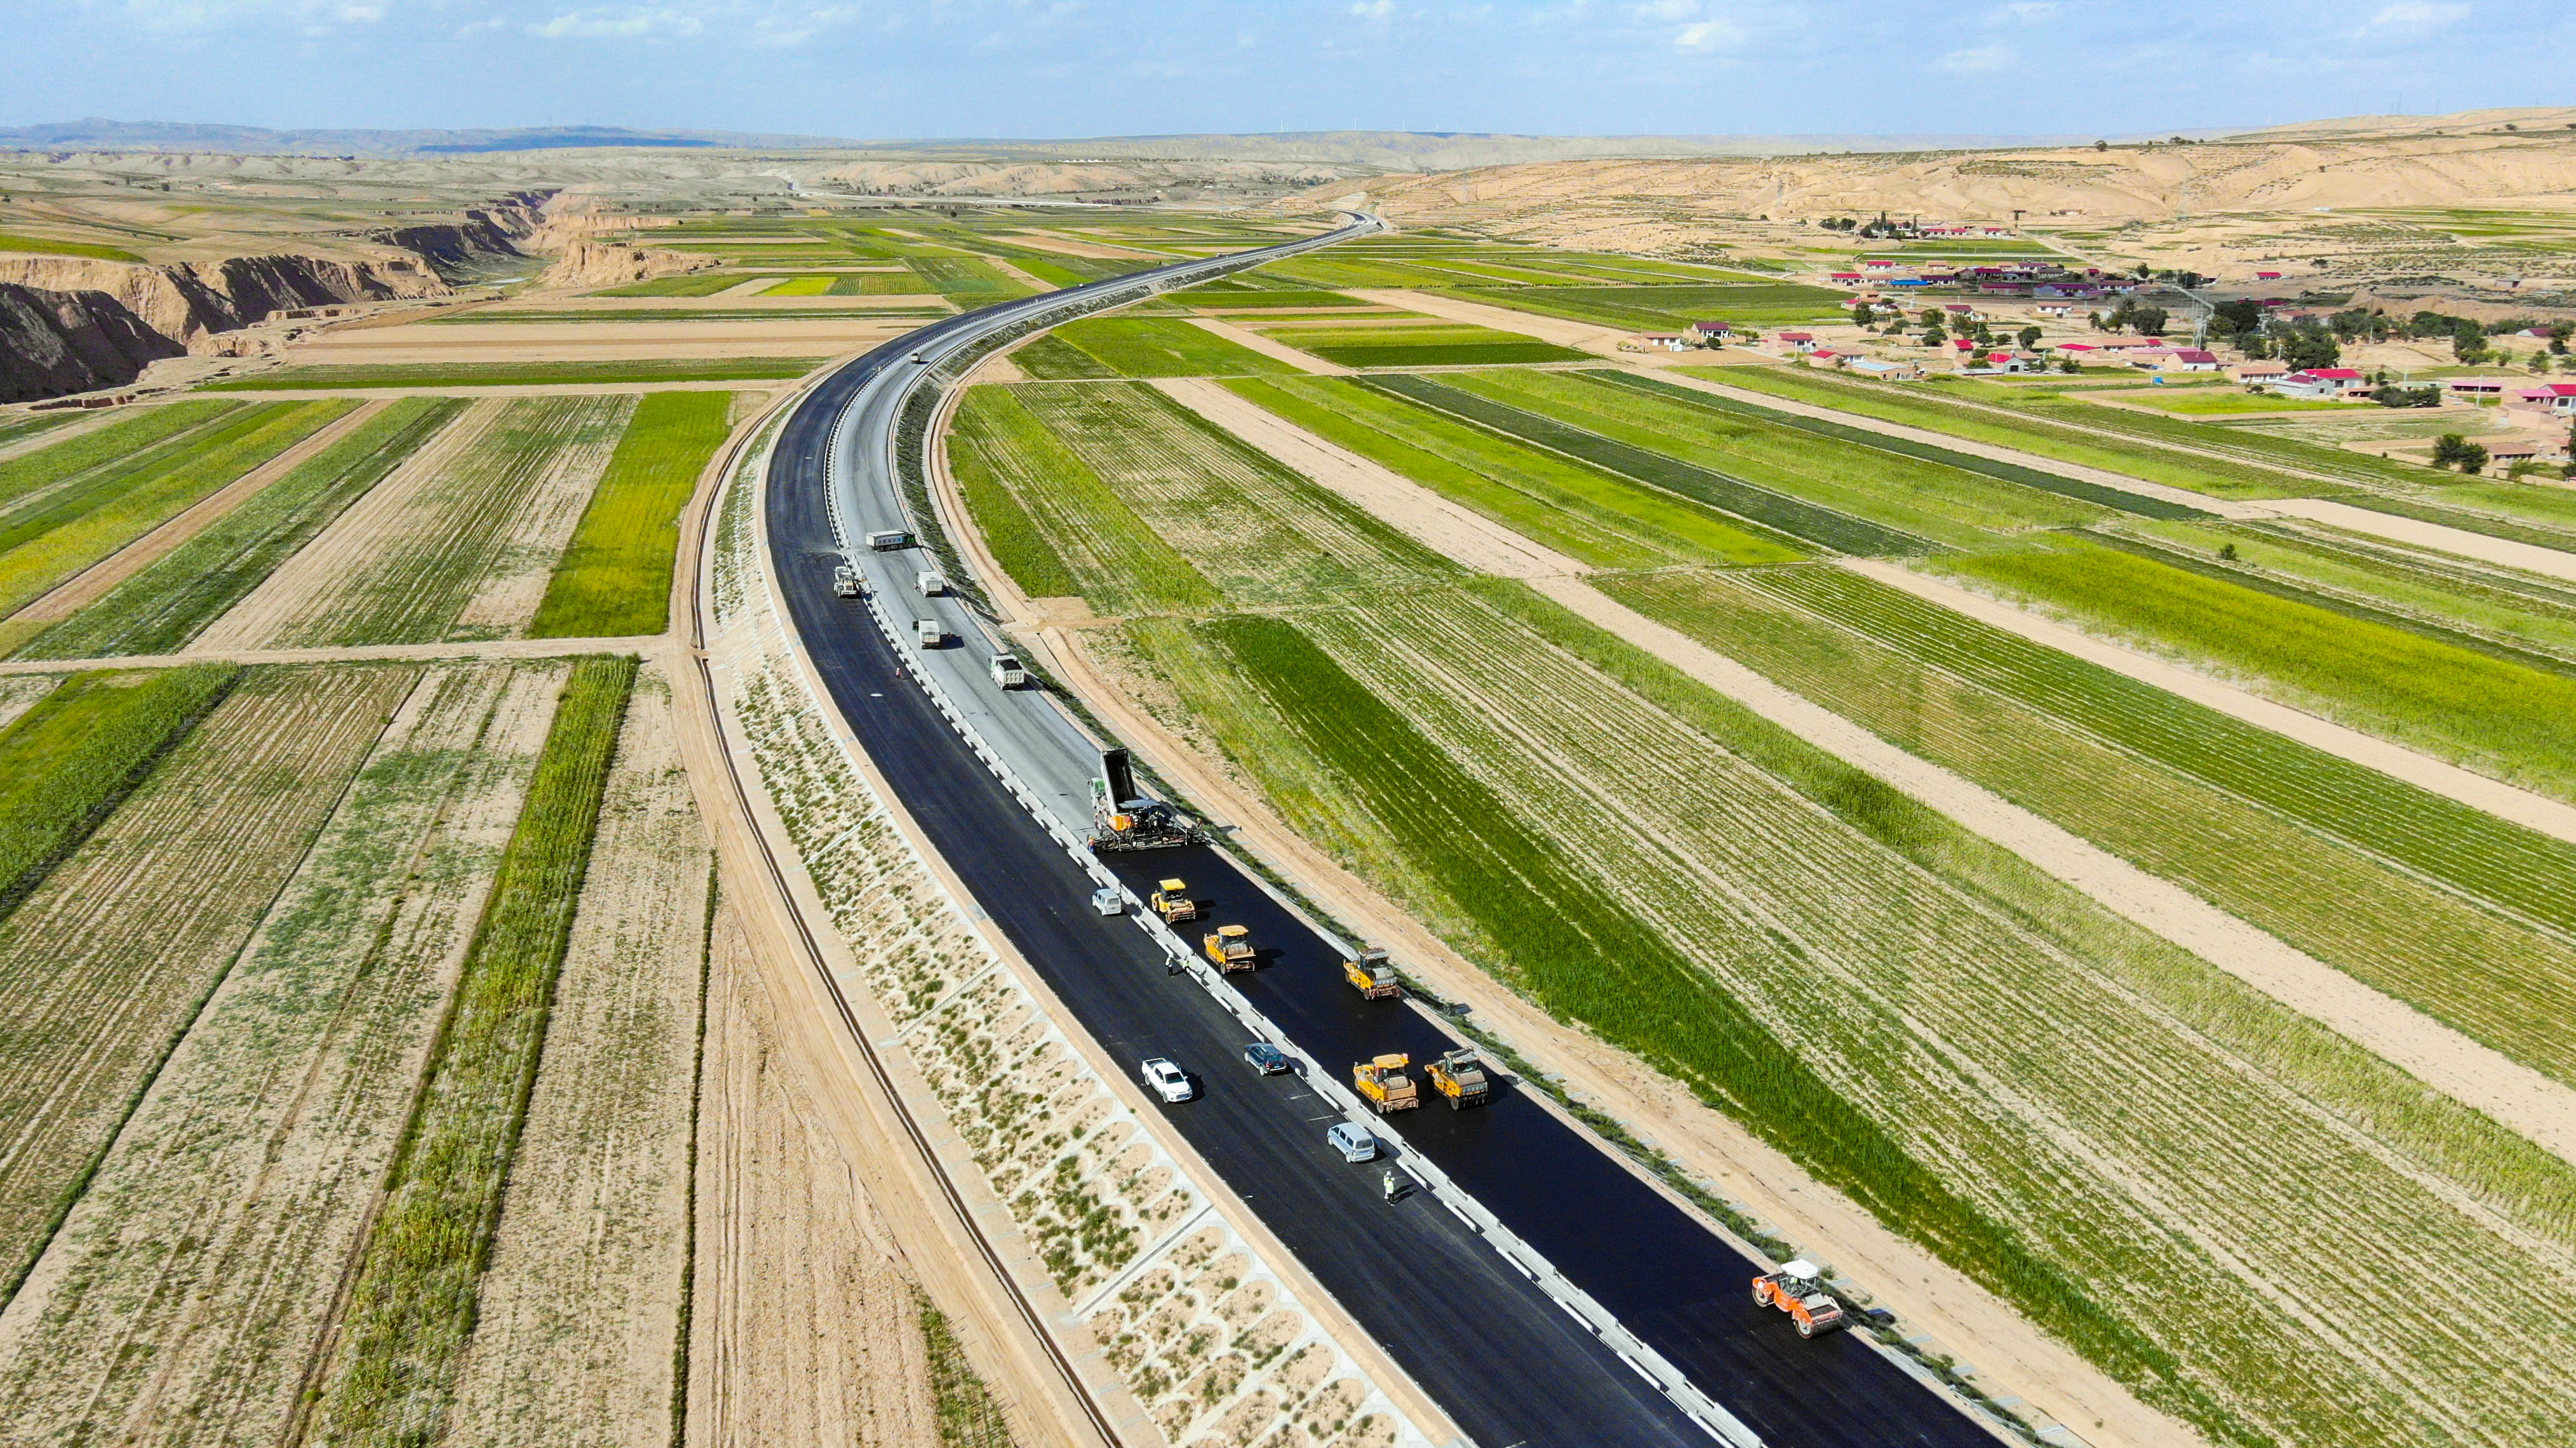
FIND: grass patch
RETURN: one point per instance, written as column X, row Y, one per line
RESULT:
column 1213, row 298
column 124, row 441
column 1159, row 347
column 1051, row 358
column 969, row 1415
column 801, row 287
column 521, row 374
column 987, row 433
column 614, row 578
column 694, row 284
column 46, row 245
column 66, row 763
column 1672, row 308
column 1434, row 345
column 410, row 1313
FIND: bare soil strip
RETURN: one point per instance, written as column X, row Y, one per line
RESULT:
column 803, row 1325
column 543, row 526
column 580, row 1306
column 2529, row 557
column 322, row 565
column 2548, row 816
column 20, row 693
column 265, row 1139
column 1447, row 528
column 2450, row 1062
column 91, row 584
column 1251, row 340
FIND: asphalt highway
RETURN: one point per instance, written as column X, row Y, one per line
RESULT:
column 1508, row 1364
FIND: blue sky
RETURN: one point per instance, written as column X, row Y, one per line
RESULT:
column 1103, row 67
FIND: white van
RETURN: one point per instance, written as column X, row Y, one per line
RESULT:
column 1355, row 1143
column 928, row 632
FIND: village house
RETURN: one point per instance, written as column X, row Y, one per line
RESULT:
column 1878, row 265
column 2191, row 359
column 1798, row 342
column 1713, row 332
column 1662, row 341
column 2551, row 400
column 2055, row 309
column 2480, row 389
column 1886, row 371
column 1845, row 279
column 2327, row 382
column 2263, row 371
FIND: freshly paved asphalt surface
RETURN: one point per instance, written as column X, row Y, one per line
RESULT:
column 1507, row 1363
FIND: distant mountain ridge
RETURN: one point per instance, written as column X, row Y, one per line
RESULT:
column 1383, row 150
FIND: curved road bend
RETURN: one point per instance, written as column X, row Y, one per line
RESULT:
column 1507, row 1363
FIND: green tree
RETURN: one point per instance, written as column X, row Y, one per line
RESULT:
column 2237, row 318
column 2309, row 345
column 1863, row 314
column 2469, row 344
column 2028, row 337
column 1932, row 317
column 2151, row 321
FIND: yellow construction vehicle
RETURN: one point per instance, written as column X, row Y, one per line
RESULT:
column 1123, row 819
column 1798, row 1290
column 1370, row 975
column 1383, row 1084
column 1460, row 1077
column 1230, row 947
column 1171, row 900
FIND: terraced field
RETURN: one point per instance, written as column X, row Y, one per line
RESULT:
column 1439, row 344
column 335, row 377
column 614, row 578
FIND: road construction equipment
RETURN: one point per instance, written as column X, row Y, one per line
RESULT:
column 889, row 539
column 1383, row 1084
column 1230, row 947
column 1460, row 1077
column 1123, row 819
column 1008, row 671
column 846, row 584
column 1797, row 1289
column 1370, row 975
column 931, row 583
column 929, row 633
column 1171, row 900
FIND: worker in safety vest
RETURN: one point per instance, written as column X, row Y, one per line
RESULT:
column 1390, row 1186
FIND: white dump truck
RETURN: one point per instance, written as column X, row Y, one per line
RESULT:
column 929, row 633
column 1008, row 671
column 931, row 582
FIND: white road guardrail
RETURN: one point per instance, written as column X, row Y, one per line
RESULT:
column 1648, row 1363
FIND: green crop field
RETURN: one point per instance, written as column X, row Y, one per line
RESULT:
column 67, row 761
column 1443, row 344
column 1143, row 347
column 1672, row 308
column 615, row 577
column 1924, row 498
column 2047, row 482
column 2293, row 840
column 971, row 280
column 2497, row 717
column 519, row 374
column 46, row 245
column 122, row 442
column 167, row 604
column 2084, row 443
column 2215, row 404
column 1766, row 508
column 411, row 1306
column 693, row 284
column 1596, row 517
column 771, row 315
column 2053, row 1100
column 51, row 533
column 1212, row 299
column 809, row 286
column 901, row 283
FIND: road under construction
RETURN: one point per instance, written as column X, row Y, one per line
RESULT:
column 1503, row 1353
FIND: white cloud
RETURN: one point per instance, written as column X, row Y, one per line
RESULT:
column 309, row 15
column 2022, row 12
column 1702, row 36
column 1373, row 9
column 2417, row 15
column 1665, row 10
column 619, row 22
column 1984, row 60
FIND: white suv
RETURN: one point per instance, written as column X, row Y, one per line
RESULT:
column 1167, row 1080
